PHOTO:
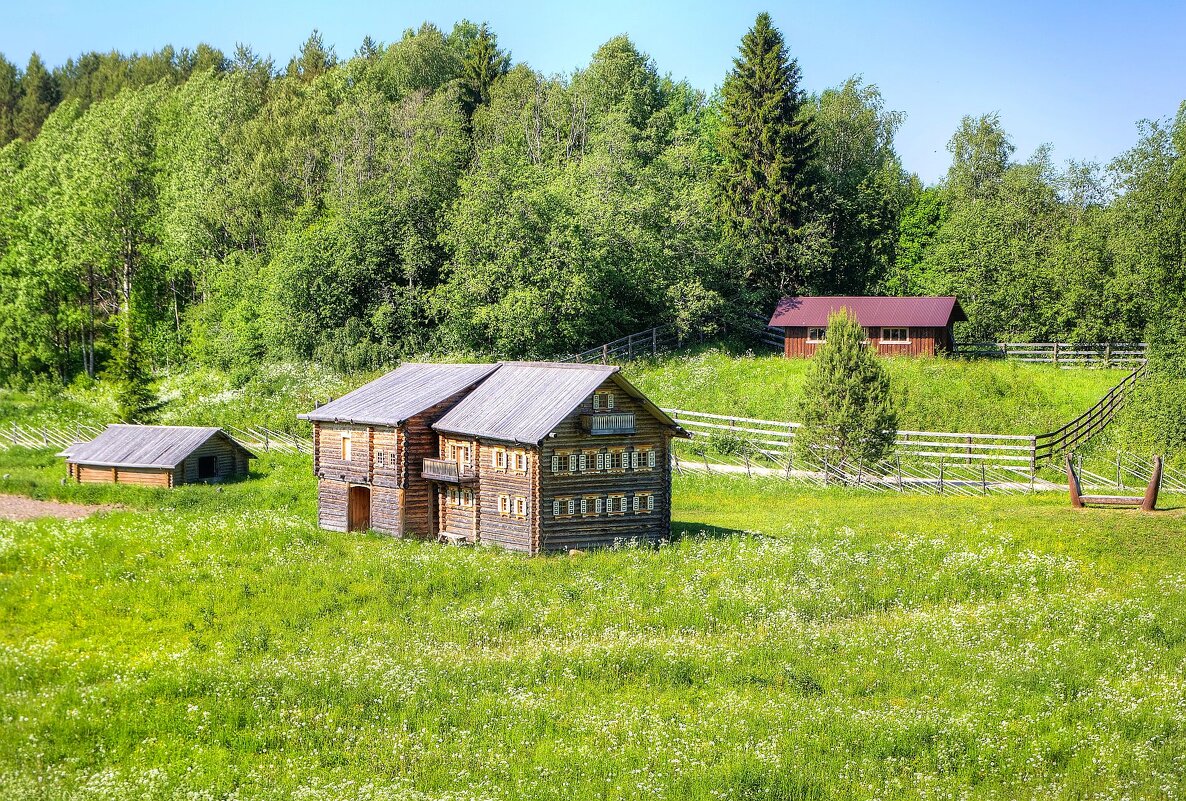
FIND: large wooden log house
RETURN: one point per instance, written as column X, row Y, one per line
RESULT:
column 894, row 326
column 528, row 456
column 157, row 456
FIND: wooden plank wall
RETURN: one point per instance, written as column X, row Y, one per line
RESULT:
column 592, row 530
column 923, row 342
column 140, row 476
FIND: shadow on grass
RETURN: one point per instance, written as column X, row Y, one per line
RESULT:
column 681, row 529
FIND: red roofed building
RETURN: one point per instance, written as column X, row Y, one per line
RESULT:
column 893, row 326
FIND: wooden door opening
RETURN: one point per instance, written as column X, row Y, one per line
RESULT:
column 207, row 467
column 358, row 509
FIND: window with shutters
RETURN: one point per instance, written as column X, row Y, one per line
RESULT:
column 555, row 463
column 504, row 504
column 498, row 458
column 603, row 401
column 572, row 462
column 598, row 505
column 582, row 461
column 634, row 503
column 600, row 460
column 584, row 506
column 651, row 458
column 633, row 460
column 572, row 506
column 520, row 507
column 555, row 508
column 650, row 503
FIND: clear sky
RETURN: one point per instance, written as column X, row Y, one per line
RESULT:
column 1077, row 75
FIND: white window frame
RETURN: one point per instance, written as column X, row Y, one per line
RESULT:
column 884, row 341
column 821, row 335
column 504, row 504
column 520, row 507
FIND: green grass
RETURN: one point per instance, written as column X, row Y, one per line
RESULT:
column 995, row 397
column 788, row 644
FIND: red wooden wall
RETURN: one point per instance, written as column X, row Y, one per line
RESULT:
column 923, row 342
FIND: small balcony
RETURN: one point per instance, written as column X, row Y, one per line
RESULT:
column 448, row 470
column 615, row 423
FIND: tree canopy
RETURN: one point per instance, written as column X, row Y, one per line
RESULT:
column 431, row 195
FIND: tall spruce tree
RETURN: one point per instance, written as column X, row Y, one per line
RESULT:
column 483, row 63
column 39, row 96
column 846, row 408
column 767, row 147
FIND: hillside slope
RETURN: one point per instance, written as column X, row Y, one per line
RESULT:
column 932, row 394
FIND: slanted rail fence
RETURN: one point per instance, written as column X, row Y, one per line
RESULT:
column 62, row 436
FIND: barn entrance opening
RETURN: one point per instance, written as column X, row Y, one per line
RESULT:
column 207, row 466
column 358, row 509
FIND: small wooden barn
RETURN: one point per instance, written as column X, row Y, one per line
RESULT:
column 894, row 326
column 530, row 456
column 157, row 456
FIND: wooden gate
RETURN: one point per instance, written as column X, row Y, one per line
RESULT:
column 358, row 509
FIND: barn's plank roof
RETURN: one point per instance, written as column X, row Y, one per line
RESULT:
column 934, row 312
column 401, row 394
column 525, row 401
column 162, row 447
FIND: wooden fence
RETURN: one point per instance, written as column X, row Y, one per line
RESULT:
column 1063, row 354
column 653, row 341
column 1088, row 424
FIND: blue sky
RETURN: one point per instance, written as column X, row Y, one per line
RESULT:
column 1076, row 75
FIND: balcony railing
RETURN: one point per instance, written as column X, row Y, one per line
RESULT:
column 449, row 470
column 616, row 423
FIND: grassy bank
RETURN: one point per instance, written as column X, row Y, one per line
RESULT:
column 997, row 397
column 789, row 644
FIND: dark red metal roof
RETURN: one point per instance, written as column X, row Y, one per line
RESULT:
column 870, row 311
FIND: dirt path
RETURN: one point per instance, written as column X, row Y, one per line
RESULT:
column 16, row 507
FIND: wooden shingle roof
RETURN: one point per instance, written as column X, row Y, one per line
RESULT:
column 525, row 401
column 401, row 394
column 162, row 447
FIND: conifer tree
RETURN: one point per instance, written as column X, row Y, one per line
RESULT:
column 766, row 146
column 39, row 95
column 846, row 409
column 483, row 63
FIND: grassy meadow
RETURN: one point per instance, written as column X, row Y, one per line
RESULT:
column 989, row 396
column 787, row 644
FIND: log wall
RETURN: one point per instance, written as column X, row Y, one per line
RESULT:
column 588, row 530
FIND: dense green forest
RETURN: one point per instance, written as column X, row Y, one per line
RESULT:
column 435, row 195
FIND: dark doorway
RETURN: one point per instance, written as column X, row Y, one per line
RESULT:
column 358, row 509
column 207, row 466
